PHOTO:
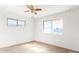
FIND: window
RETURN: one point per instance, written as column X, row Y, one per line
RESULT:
column 57, row 26
column 11, row 22
column 15, row 23
column 47, row 26
column 53, row 26
column 21, row 22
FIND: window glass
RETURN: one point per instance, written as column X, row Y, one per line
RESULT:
column 53, row 26
column 47, row 26
column 57, row 26
column 12, row 22
column 21, row 23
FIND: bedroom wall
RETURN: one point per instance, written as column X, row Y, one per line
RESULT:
column 70, row 39
column 14, row 35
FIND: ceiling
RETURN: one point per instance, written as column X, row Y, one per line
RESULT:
column 46, row 9
column 52, row 9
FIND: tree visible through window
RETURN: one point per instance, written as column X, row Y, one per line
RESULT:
column 53, row 26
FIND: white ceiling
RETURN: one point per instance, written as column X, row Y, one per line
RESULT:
column 46, row 9
column 52, row 9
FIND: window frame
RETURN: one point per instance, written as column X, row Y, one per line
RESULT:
column 47, row 21
column 20, row 25
column 52, row 30
column 10, row 24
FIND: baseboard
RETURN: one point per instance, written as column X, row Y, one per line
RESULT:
column 56, row 46
column 43, row 42
column 17, row 44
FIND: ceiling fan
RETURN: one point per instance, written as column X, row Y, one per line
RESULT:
column 32, row 9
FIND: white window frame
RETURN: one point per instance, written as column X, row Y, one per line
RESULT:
column 52, row 31
column 44, row 25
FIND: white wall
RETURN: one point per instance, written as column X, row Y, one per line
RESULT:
column 14, row 35
column 70, row 39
